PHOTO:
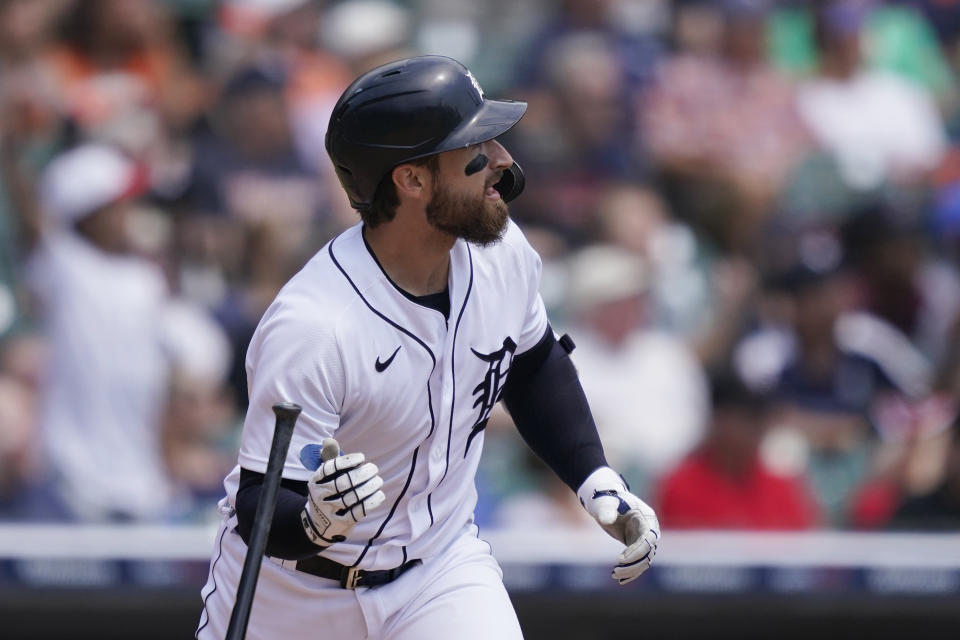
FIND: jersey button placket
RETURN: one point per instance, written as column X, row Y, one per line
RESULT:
column 439, row 451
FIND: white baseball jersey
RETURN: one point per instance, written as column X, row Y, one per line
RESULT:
column 395, row 380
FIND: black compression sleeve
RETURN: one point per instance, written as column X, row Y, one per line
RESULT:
column 287, row 539
column 544, row 396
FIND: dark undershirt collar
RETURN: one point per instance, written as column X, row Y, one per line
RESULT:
column 437, row 301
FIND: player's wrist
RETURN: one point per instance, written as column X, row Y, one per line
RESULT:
column 315, row 525
column 601, row 478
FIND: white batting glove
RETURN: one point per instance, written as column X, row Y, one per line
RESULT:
column 342, row 490
column 627, row 518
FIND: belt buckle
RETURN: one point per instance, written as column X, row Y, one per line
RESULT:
column 350, row 579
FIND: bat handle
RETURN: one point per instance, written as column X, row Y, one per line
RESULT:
column 287, row 411
column 286, row 417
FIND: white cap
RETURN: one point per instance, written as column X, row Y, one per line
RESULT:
column 80, row 181
column 365, row 27
column 604, row 273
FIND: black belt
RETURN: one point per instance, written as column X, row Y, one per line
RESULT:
column 351, row 577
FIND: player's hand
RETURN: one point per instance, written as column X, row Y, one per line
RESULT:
column 627, row 518
column 343, row 489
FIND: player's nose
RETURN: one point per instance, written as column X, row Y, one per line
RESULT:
column 500, row 158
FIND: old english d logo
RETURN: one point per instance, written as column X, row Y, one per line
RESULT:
column 490, row 389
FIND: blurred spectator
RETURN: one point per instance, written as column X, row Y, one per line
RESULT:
column 315, row 78
column 18, row 433
column 260, row 32
column 899, row 37
column 721, row 126
column 725, row 484
column 912, row 464
column 282, row 37
column 354, row 37
column 102, row 308
column 944, row 17
column 22, row 362
column 629, row 27
column 254, row 212
column 841, row 376
column 29, row 89
column 878, row 125
column 646, row 389
column 123, row 75
column 572, row 139
column 637, row 219
column 199, row 424
column 904, row 39
column 246, row 166
column 938, row 509
column 23, row 358
column 581, row 74
column 30, row 126
column 701, row 298
column 903, row 281
column 105, row 384
column 488, row 37
column 367, row 33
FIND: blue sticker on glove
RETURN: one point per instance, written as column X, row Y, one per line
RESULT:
column 310, row 456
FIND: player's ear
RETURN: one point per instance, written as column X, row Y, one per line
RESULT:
column 410, row 181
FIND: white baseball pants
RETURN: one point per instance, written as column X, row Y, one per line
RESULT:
column 458, row 593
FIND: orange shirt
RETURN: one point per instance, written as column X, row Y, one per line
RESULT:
column 93, row 94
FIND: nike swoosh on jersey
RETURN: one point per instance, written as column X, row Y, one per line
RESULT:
column 380, row 366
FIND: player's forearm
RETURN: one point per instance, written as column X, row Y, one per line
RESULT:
column 287, row 539
column 546, row 400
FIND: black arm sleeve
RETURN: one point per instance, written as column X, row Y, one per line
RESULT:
column 547, row 403
column 287, row 539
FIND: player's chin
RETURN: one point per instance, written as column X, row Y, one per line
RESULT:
column 498, row 213
column 490, row 229
column 497, row 209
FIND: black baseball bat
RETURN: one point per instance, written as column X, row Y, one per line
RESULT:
column 286, row 413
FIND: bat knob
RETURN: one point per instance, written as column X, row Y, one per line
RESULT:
column 287, row 410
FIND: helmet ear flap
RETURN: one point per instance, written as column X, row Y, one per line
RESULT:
column 511, row 183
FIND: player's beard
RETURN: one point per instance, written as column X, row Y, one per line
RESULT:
column 473, row 218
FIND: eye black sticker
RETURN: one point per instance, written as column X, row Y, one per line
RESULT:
column 477, row 164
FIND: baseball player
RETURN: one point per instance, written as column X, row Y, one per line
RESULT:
column 398, row 338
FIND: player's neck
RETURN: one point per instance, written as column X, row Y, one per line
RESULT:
column 416, row 258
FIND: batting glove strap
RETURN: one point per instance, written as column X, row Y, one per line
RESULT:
column 314, row 533
column 625, row 517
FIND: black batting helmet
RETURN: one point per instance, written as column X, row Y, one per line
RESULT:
column 411, row 109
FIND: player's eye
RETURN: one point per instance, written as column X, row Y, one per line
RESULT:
column 477, row 164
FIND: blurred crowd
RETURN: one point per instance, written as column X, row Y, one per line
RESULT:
column 748, row 212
